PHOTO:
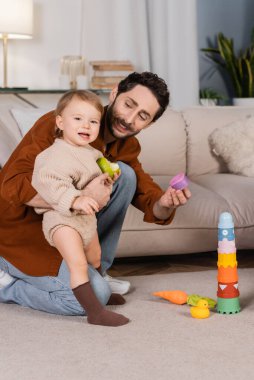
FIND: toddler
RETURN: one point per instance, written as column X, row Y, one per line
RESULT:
column 60, row 174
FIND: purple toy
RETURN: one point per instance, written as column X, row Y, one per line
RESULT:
column 179, row 182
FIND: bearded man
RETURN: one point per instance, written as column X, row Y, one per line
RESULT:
column 32, row 273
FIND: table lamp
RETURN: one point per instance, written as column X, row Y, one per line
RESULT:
column 16, row 22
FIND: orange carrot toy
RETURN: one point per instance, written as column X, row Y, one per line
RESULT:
column 179, row 297
column 175, row 296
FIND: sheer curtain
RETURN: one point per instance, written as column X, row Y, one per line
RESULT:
column 156, row 35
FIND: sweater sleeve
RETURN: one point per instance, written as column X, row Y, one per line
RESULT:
column 53, row 181
column 16, row 175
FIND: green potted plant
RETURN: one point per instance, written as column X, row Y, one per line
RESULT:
column 209, row 97
column 237, row 69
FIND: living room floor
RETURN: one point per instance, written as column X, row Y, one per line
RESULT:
column 139, row 266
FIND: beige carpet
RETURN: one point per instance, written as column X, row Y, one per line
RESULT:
column 162, row 341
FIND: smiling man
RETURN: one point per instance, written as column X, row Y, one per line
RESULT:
column 130, row 112
column 32, row 272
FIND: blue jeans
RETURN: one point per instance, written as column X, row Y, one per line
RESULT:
column 53, row 294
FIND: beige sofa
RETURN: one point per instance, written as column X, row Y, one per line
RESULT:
column 178, row 142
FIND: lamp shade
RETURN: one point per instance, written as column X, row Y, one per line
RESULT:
column 16, row 18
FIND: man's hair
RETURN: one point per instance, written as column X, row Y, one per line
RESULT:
column 156, row 85
column 87, row 96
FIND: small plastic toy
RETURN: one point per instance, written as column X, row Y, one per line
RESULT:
column 108, row 167
column 179, row 182
column 200, row 311
column 193, row 300
column 180, row 297
column 228, row 292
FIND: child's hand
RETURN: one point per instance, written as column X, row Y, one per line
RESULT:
column 87, row 205
column 108, row 181
column 116, row 176
column 98, row 190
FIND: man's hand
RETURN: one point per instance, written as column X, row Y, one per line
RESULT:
column 87, row 205
column 99, row 189
column 170, row 200
column 174, row 197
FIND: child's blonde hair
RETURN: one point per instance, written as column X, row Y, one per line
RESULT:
column 87, row 96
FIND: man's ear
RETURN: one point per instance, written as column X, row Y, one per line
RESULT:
column 113, row 93
column 59, row 122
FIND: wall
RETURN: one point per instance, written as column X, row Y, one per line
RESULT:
column 155, row 35
column 36, row 63
column 112, row 29
column 235, row 19
column 59, row 30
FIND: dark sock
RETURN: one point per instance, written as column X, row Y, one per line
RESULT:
column 96, row 314
column 116, row 299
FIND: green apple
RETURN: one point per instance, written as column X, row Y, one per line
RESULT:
column 108, row 167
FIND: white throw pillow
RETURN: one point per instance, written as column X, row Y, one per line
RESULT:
column 234, row 143
column 26, row 117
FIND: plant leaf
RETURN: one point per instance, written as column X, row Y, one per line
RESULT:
column 247, row 79
column 238, row 67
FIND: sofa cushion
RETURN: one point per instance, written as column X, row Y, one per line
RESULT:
column 234, row 143
column 200, row 123
column 237, row 191
column 8, row 143
column 9, row 123
column 14, row 123
column 195, row 226
column 10, row 134
column 164, row 145
column 25, row 118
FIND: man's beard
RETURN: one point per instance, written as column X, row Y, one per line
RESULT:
column 112, row 119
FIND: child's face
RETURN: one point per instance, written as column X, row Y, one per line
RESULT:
column 80, row 122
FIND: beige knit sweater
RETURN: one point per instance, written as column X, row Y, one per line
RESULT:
column 62, row 171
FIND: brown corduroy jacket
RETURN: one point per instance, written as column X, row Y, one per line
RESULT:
column 22, row 242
